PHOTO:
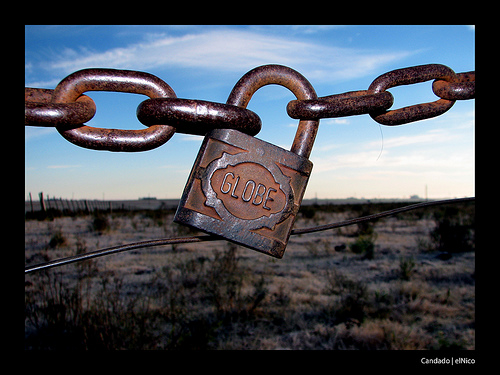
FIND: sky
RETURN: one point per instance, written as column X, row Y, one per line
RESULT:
column 352, row 156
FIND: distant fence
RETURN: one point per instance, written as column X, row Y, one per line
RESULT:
column 66, row 206
column 46, row 203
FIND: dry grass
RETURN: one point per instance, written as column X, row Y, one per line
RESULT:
column 389, row 292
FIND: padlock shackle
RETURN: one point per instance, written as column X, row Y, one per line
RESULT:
column 294, row 81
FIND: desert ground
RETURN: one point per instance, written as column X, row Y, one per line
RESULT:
column 401, row 282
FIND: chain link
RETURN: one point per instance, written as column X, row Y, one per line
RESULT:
column 340, row 105
column 376, row 101
column 462, row 88
column 40, row 110
column 198, row 116
column 74, row 85
column 408, row 76
column 67, row 108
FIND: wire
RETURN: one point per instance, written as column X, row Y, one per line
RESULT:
column 381, row 214
column 204, row 238
column 119, row 249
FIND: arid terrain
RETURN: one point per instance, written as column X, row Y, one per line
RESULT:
column 402, row 282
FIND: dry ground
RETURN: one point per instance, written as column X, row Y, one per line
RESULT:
column 385, row 285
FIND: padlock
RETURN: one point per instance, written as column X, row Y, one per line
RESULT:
column 247, row 190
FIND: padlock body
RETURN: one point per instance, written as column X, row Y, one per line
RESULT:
column 245, row 190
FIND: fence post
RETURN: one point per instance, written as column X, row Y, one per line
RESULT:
column 31, row 203
column 42, row 204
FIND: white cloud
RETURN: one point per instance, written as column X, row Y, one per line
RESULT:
column 62, row 166
column 335, row 121
column 433, row 150
column 33, row 132
column 191, row 138
column 432, row 136
column 228, row 50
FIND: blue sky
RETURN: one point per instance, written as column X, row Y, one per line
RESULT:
column 352, row 156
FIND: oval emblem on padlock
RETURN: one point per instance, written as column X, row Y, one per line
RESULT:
column 248, row 191
column 241, row 188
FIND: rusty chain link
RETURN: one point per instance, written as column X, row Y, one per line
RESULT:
column 408, row 76
column 41, row 111
column 74, row 85
column 347, row 104
column 376, row 101
column 198, row 116
column 67, row 108
column 462, row 88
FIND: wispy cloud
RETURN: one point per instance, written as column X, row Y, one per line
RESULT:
column 191, row 138
column 32, row 132
column 62, row 166
column 227, row 50
column 440, row 154
column 391, row 163
column 433, row 137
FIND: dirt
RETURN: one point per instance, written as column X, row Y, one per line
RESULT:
column 402, row 293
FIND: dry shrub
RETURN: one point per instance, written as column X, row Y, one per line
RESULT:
column 218, row 296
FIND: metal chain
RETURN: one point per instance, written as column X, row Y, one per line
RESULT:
column 67, row 108
column 188, row 116
column 376, row 101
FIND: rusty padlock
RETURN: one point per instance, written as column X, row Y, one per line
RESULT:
column 244, row 189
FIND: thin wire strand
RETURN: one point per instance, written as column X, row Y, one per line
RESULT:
column 204, row 238
column 380, row 215
column 119, row 249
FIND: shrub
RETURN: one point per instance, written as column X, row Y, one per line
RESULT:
column 455, row 231
column 363, row 245
column 406, row 267
column 224, row 284
column 57, row 240
column 100, row 223
column 453, row 237
column 308, row 212
column 353, row 297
